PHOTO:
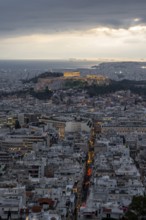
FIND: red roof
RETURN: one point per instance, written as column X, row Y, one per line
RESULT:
column 48, row 201
column 29, row 194
column 107, row 210
column 36, row 209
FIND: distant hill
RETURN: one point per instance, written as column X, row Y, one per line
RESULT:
column 121, row 70
column 43, row 76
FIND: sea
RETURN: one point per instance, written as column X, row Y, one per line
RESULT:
column 31, row 68
column 46, row 64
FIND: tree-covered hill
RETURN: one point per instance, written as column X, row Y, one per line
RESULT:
column 43, row 76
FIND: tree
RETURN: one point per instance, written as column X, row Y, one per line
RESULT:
column 137, row 208
column 17, row 124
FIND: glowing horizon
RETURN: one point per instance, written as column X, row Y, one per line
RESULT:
column 91, row 44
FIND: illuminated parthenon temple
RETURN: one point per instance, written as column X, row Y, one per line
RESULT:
column 71, row 74
column 54, row 83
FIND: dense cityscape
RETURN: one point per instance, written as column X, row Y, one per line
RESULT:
column 68, row 154
column 72, row 110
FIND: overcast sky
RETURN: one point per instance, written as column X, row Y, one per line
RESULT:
column 61, row 29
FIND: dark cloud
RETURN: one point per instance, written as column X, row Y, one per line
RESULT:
column 43, row 16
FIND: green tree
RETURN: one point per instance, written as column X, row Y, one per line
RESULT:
column 17, row 124
column 137, row 208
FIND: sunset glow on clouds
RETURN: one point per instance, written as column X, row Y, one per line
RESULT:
column 73, row 30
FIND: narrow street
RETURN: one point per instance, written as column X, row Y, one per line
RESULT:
column 84, row 190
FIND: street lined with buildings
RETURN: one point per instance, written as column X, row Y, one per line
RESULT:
column 73, row 156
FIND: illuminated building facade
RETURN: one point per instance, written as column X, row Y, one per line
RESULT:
column 71, row 74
